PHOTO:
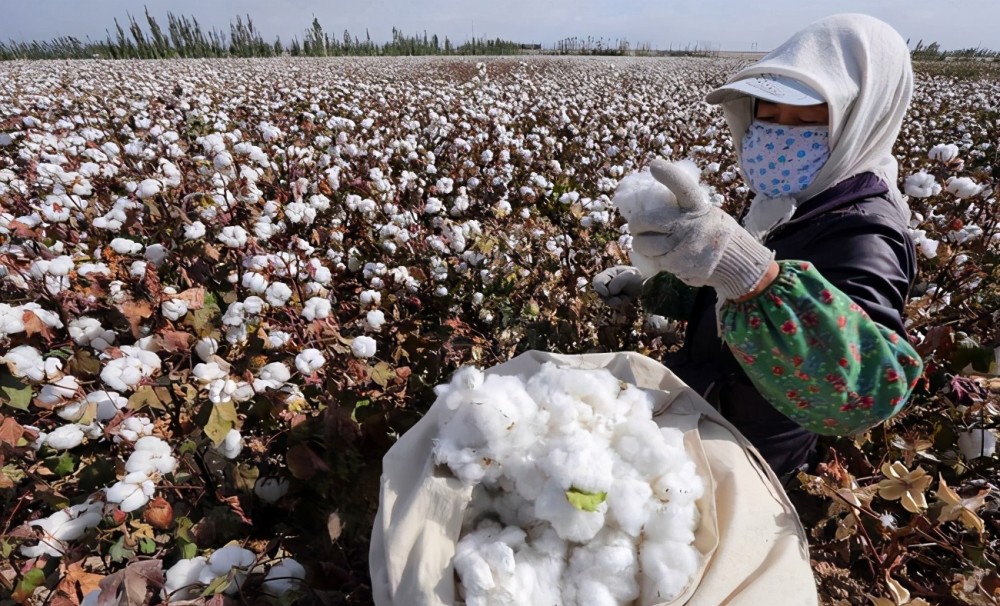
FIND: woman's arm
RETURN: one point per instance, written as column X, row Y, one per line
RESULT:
column 817, row 356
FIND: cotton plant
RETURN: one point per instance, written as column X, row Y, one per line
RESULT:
column 573, row 482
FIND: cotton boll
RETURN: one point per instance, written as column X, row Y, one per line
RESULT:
column 66, row 525
column 174, row 309
column 628, row 500
column 271, row 489
column 231, row 445
column 131, row 492
column 363, row 347
column 681, row 484
column 316, row 308
column 569, row 522
column 59, row 390
column 208, row 372
column 375, row 319
column 578, row 460
column 943, row 152
column 254, row 306
column 667, row 568
column 309, row 361
column 277, row 294
column 603, row 571
column 108, row 404
column 284, row 576
column 206, row 348
column 194, row 230
column 151, row 455
column 89, row 332
column 24, row 361
column 640, row 192
column 65, row 437
column 148, row 189
column 276, row 373
column 231, row 559
column 963, row 187
column 182, row 579
column 134, row 428
column 370, row 298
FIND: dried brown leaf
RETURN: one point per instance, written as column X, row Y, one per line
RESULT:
column 135, row 312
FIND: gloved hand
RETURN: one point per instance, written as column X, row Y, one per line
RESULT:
column 618, row 286
column 695, row 241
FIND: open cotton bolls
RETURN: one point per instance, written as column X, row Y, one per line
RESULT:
column 65, row 437
column 151, row 455
column 229, row 559
column 68, row 524
column 284, row 576
column 363, row 347
column 231, row 445
column 25, row 361
column 182, row 579
column 572, row 455
column 131, row 492
column 309, row 361
column 271, row 489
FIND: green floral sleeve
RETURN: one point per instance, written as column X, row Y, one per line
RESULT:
column 817, row 357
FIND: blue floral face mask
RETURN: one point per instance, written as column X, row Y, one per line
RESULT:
column 781, row 160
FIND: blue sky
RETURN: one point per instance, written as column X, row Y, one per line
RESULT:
column 726, row 24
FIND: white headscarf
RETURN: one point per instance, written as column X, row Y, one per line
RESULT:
column 861, row 66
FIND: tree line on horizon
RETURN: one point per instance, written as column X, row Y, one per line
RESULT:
column 185, row 38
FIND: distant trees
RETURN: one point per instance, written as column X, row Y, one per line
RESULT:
column 933, row 52
column 184, row 37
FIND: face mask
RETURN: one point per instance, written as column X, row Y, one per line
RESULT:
column 781, row 160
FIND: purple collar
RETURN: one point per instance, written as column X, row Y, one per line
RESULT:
column 852, row 189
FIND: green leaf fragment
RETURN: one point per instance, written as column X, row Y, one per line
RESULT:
column 585, row 501
column 221, row 419
column 220, row 584
column 62, row 465
column 15, row 393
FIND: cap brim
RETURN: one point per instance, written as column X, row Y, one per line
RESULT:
column 776, row 89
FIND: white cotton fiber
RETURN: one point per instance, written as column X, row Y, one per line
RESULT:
column 572, row 483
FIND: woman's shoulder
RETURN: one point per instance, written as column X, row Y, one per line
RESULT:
column 873, row 214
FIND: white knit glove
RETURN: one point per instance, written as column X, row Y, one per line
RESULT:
column 697, row 242
column 618, row 286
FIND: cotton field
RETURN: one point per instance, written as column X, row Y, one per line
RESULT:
column 229, row 285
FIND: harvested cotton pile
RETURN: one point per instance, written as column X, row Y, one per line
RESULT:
column 578, row 496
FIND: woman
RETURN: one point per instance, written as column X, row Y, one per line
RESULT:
column 809, row 291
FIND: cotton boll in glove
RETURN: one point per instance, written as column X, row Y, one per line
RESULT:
column 639, row 193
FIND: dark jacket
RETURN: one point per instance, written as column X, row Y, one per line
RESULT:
column 859, row 241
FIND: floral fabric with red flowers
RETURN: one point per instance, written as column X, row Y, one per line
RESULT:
column 817, row 357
